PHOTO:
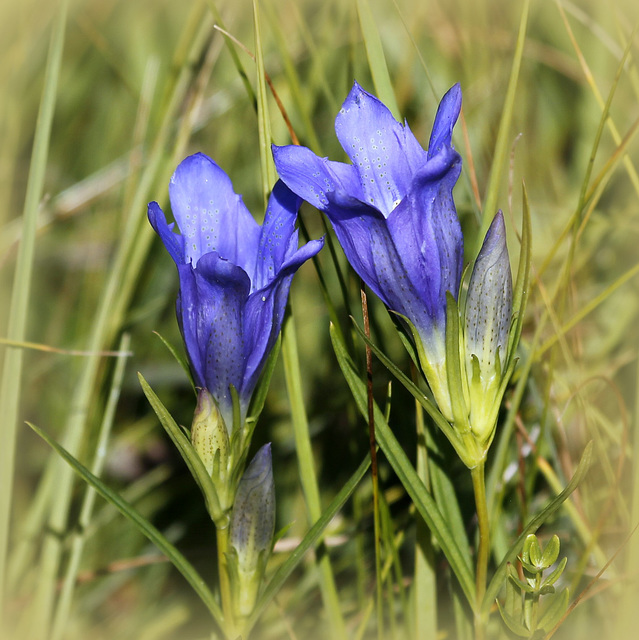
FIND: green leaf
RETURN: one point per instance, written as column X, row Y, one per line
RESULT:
column 143, row 525
column 554, row 576
column 533, row 525
column 188, row 453
column 551, row 552
column 512, row 623
column 310, row 539
column 555, row 611
column 408, row 476
column 178, row 358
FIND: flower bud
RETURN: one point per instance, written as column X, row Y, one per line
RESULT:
column 251, row 531
column 487, row 323
column 210, row 438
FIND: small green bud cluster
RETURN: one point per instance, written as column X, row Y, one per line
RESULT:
column 522, row 611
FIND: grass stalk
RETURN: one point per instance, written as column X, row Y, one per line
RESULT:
column 308, row 477
column 18, row 310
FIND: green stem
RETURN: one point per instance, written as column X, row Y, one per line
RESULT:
column 479, row 488
column 226, row 595
column 425, row 589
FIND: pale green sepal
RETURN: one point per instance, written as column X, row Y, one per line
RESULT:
column 189, row 454
column 555, row 611
column 521, row 289
column 455, row 380
column 435, row 374
column 209, row 436
column 251, row 532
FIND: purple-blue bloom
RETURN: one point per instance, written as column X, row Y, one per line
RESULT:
column 234, row 276
column 393, row 212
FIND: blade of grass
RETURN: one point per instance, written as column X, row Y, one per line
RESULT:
column 63, row 605
column 118, row 289
column 263, row 122
column 376, row 57
column 306, row 465
column 12, row 368
column 143, row 525
column 502, row 144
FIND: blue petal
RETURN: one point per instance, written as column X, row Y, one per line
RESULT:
column 210, row 215
column 264, row 313
column 376, row 144
column 278, row 236
column 447, row 114
column 312, row 178
column 210, row 310
column 173, row 242
column 428, row 236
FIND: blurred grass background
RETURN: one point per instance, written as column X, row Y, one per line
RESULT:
column 144, row 83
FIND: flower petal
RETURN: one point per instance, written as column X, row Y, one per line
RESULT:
column 428, row 237
column 312, row 178
column 211, row 304
column 173, row 242
column 278, row 236
column 447, row 114
column 375, row 142
column 210, row 215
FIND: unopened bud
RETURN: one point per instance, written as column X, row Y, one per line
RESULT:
column 210, row 437
column 251, row 530
column 488, row 316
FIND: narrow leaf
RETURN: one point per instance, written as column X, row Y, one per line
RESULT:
column 188, row 453
column 143, row 525
column 408, row 476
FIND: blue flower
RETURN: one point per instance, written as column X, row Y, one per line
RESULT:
column 393, row 213
column 234, row 276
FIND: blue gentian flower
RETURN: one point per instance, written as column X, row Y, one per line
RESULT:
column 234, row 276
column 393, row 213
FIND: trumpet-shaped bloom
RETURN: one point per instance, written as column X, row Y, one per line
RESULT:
column 393, row 213
column 234, row 276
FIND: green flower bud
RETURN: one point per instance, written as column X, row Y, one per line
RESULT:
column 251, row 531
column 487, row 324
column 210, row 438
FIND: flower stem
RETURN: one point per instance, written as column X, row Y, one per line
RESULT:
column 479, row 488
column 225, row 584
